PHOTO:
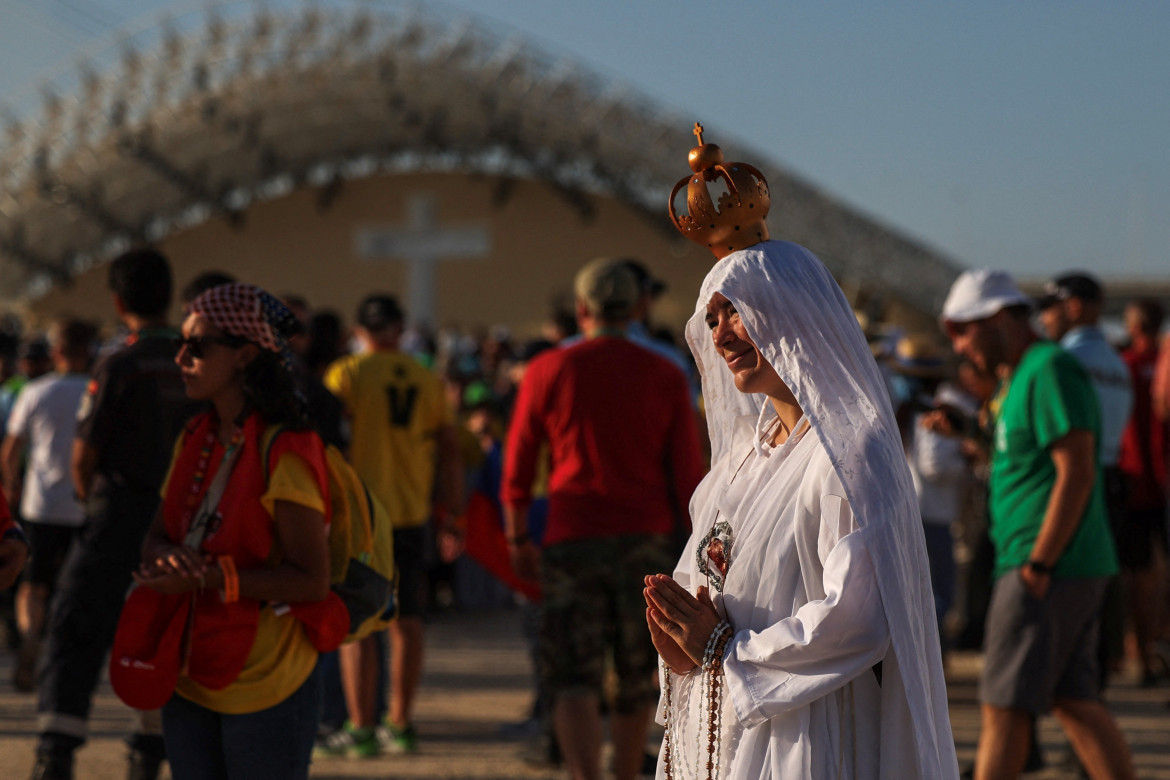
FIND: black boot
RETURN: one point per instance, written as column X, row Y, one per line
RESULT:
column 143, row 765
column 53, row 765
column 147, row 752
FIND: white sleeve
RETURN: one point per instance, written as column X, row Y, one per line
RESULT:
column 18, row 417
column 822, row 647
column 938, row 457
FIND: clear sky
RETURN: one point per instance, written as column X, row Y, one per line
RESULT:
column 1032, row 136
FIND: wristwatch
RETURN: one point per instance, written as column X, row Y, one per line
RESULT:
column 1040, row 567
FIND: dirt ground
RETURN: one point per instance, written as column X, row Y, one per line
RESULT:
column 478, row 681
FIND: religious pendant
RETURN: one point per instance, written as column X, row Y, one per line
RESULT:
column 713, row 554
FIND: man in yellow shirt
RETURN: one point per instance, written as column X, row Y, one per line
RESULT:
column 403, row 445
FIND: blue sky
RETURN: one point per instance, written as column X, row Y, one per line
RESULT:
column 1033, row 136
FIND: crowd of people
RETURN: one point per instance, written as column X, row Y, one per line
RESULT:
column 1071, row 456
column 90, row 427
column 843, row 522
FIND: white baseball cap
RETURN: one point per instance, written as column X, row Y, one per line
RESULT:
column 979, row 294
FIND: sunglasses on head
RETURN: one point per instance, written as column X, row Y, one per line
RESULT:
column 197, row 345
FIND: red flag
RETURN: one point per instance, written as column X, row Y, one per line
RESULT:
column 487, row 545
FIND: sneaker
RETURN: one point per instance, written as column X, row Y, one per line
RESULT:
column 525, row 729
column 52, row 765
column 397, row 740
column 1071, row 766
column 143, row 765
column 330, row 744
column 349, row 742
column 543, row 752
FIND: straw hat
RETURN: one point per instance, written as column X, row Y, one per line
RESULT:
column 918, row 355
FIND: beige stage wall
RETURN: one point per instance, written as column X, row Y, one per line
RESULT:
column 536, row 240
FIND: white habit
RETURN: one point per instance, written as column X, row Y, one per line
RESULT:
column 828, row 572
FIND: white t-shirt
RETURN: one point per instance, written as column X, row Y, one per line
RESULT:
column 45, row 415
column 940, row 473
column 1111, row 380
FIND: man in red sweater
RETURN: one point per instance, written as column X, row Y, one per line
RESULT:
column 624, row 454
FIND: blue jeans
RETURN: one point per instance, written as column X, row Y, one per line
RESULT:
column 940, row 551
column 274, row 744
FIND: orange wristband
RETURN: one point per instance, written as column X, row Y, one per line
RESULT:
column 231, row 579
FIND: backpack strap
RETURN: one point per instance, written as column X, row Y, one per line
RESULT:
column 267, row 439
column 267, row 442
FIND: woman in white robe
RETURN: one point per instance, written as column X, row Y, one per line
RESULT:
column 832, row 667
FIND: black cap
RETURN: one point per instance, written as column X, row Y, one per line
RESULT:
column 34, row 349
column 1075, row 285
column 377, row 312
column 646, row 283
column 534, row 348
column 9, row 344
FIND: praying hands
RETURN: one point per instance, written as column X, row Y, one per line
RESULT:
column 680, row 624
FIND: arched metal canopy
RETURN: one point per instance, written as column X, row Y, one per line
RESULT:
column 211, row 111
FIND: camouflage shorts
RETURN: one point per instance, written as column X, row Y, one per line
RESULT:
column 593, row 613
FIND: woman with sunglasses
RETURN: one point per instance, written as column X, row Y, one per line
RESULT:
column 246, row 701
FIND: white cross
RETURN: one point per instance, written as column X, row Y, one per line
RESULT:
column 423, row 244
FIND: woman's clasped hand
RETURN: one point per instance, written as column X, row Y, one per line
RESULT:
column 178, row 569
column 680, row 623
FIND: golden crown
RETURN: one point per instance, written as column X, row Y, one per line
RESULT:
column 738, row 222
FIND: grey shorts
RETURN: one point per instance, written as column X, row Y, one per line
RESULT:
column 1040, row 650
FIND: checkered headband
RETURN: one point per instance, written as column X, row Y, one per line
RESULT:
column 249, row 312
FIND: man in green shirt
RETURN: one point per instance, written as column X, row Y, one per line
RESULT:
column 1053, row 549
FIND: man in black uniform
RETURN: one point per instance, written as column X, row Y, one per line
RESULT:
column 128, row 420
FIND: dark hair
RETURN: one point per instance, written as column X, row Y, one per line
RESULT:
column 142, row 279
column 294, row 302
column 1149, row 314
column 204, row 282
column 325, row 332
column 34, row 348
column 1021, row 311
column 75, row 338
column 534, row 348
column 9, row 345
column 380, row 312
column 269, row 388
column 565, row 321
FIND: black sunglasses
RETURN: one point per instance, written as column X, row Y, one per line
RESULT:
column 197, row 345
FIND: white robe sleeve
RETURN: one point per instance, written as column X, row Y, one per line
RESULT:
column 827, row 643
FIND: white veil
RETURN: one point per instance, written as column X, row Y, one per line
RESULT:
column 794, row 311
